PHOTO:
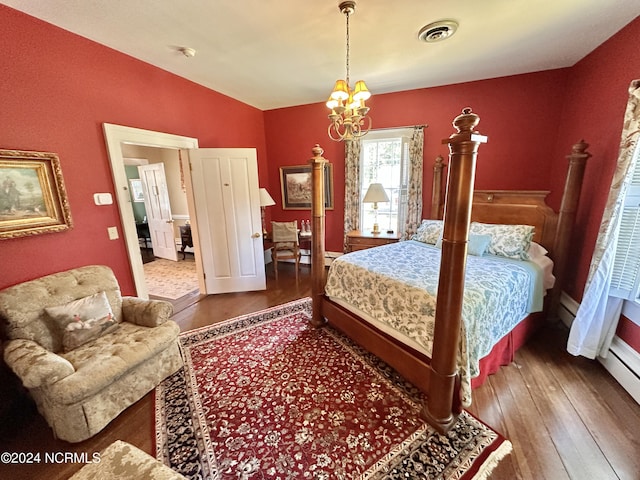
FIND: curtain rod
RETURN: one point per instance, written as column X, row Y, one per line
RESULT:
column 397, row 128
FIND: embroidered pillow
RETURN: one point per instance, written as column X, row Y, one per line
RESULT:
column 510, row 241
column 83, row 320
column 477, row 244
column 429, row 231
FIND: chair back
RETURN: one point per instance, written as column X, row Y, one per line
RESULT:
column 284, row 232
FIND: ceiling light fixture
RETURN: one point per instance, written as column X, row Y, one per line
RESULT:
column 348, row 115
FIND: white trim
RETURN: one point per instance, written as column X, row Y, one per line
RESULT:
column 568, row 309
column 115, row 136
column 622, row 361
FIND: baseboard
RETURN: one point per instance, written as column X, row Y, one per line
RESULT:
column 568, row 309
column 622, row 362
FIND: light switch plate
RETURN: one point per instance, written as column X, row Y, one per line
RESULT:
column 102, row 198
column 113, row 233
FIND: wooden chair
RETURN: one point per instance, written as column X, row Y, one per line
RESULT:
column 285, row 244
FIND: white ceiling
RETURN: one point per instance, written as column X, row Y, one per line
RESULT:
column 280, row 53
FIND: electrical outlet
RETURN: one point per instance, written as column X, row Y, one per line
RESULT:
column 113, row 233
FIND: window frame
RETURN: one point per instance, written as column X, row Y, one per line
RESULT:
column 404, row 135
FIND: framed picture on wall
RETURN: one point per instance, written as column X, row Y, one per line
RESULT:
column 295, row 182
column 137, row 194
column 33, row 199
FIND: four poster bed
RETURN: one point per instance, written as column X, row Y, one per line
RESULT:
column 404, row 303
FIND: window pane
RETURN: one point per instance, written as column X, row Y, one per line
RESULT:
column 382, row 163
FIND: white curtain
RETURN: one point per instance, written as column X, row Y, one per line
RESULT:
column 597, row 318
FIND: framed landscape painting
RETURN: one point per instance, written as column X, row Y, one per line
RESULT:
column 295, row 182
column 33, row 199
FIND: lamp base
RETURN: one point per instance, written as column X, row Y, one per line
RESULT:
column 376, row 229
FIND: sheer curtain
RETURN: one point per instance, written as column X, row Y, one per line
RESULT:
column 414, row 183
column 351, row 188
column 597, row 318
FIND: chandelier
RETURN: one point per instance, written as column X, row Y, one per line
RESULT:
column 348, row 115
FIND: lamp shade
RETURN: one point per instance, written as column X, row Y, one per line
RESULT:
column 340, row 90
column 375, row 193
column 361, row 92
column 265, row 198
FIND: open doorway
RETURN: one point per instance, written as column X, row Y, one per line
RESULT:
column 119, row 139
column 170, row 271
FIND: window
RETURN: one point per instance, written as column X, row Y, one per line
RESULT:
column 384, row 159
column 625, row 281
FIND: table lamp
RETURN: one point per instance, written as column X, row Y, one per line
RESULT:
column 375, row 193
column 265, row 201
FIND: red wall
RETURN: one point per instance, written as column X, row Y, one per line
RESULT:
column 56, row 90
column 515, row 113
column 595, row 101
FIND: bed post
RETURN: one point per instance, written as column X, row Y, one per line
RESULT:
column 442, row 405
column 317, row 239
column 566, row 219
column 436, row 188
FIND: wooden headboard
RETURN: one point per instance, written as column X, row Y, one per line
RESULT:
column 526, row 207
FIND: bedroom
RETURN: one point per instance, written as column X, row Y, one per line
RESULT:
column 58, row 88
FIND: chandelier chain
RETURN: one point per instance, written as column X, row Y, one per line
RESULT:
column 347, row 62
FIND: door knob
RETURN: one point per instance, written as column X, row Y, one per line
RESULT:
column 169, row 221
column 256, row 235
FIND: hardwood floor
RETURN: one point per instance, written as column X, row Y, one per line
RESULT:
column 566, row 417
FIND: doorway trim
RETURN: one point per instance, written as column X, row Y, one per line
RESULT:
column 115, row 136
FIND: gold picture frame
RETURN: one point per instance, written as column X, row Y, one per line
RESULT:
column 295, row 183
column 33, row 199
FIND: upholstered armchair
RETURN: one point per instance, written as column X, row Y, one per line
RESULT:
column 84, row 352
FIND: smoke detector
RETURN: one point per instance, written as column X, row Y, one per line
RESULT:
column 187, row 51
column 438, row 31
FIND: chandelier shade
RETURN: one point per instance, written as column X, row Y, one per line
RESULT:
column 348, row 115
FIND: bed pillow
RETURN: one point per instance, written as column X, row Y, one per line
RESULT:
column 83, row 320
column 477, row 244
column 510, row 241
column 429, row 231
column 536, row 251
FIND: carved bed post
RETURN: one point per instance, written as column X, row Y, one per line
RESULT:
column 317, row 240
column 436, row 191
column 566, row 220
column 442, row 405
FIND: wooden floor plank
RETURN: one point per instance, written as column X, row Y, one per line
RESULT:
column 580, row 453
column 611, row 419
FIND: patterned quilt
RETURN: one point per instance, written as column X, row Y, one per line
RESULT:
column 395, row 286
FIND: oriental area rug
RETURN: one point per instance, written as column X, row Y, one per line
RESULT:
column 267, row 396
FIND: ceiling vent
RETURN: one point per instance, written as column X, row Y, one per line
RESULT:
column 438, row 31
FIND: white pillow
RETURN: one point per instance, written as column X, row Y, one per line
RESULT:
column 536, row 251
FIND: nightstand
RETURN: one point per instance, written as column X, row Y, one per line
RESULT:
column 357, row 240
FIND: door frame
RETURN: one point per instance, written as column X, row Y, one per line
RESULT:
column 115, row 136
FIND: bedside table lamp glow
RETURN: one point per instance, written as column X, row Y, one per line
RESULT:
column 265, row 201
column 375, row 193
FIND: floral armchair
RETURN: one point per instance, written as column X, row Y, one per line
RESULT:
column 84, row 352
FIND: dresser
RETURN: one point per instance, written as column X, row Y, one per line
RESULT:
column 357, row 240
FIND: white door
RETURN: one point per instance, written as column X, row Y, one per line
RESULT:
column 228, row 225
column 158, row 207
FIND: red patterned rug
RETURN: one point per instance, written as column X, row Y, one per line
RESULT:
column 266, row 396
